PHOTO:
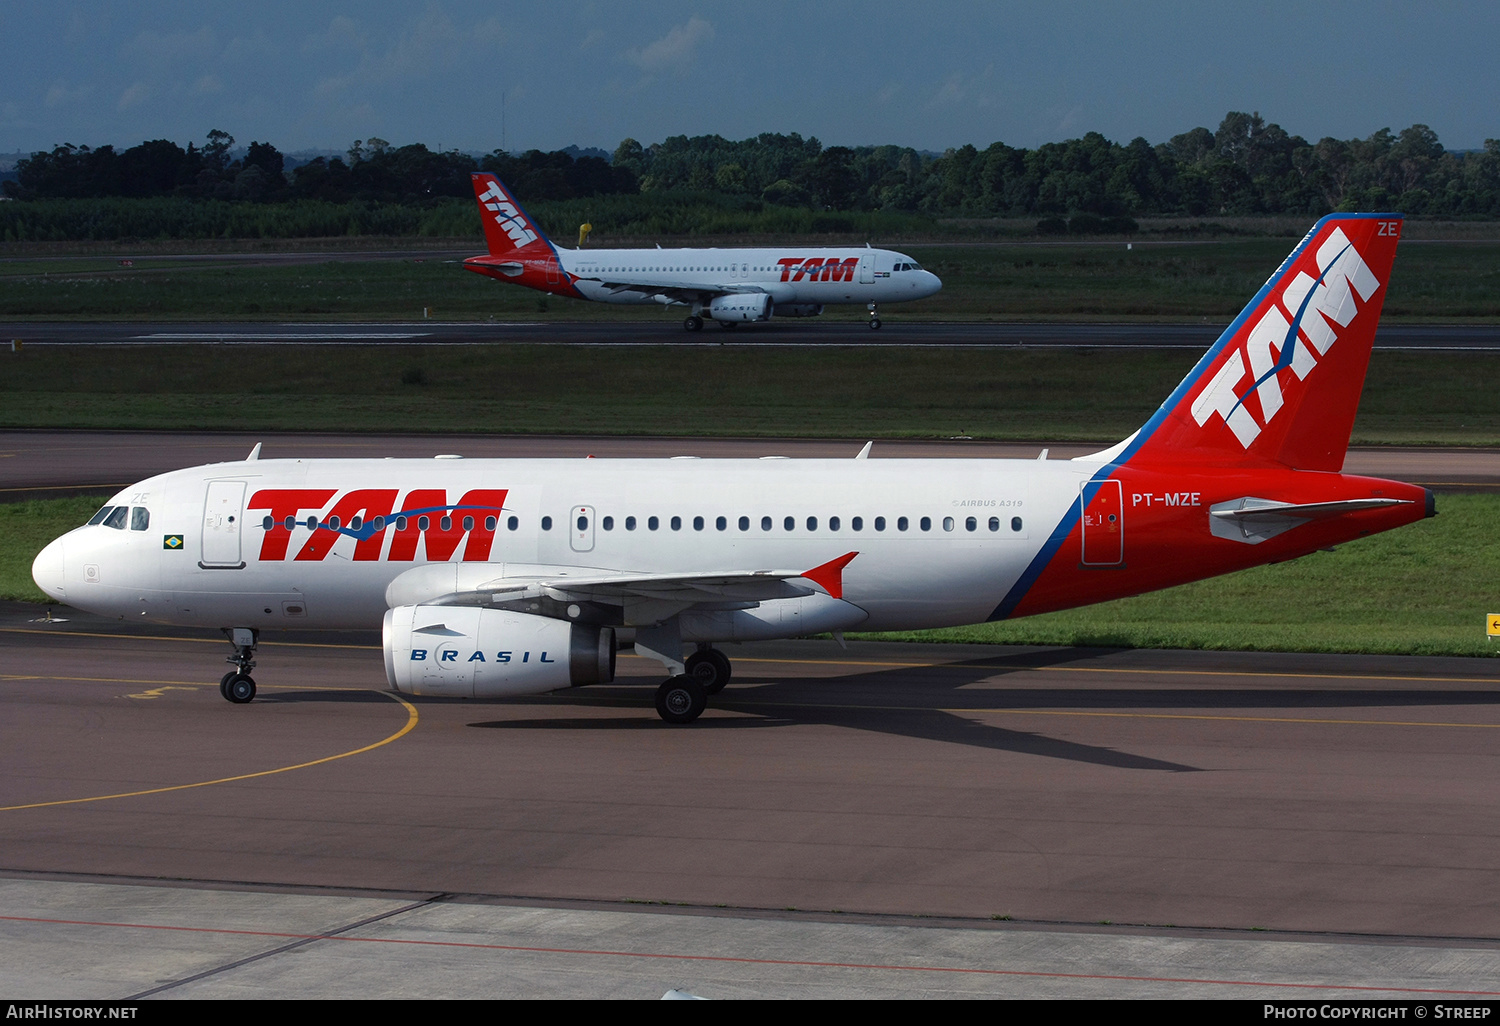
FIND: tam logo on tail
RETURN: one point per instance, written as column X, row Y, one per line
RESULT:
column 1276, row 343
column 507, row 215
column 1283, row 381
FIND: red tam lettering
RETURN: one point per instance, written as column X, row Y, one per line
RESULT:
column 284, row 503
column 368, row 503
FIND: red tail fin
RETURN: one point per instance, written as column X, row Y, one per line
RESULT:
column 1283, row 381
column 508, row 229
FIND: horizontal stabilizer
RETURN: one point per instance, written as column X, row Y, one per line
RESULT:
column 1253, row 520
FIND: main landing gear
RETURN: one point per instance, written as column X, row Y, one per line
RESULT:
column 682, row 698
column 237, row 685
column 693, row 323
column 874, row 318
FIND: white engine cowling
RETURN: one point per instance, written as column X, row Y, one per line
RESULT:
column 798, row 309
column 474, row 652
column 749, row 306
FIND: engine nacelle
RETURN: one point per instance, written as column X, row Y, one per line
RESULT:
column 474, row 652
column 798, row 309
column 748, row 306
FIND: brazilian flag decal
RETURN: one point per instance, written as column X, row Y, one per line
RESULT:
column 172, row 541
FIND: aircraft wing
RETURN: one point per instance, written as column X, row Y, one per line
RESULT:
column 684, row 292
column 649, row 597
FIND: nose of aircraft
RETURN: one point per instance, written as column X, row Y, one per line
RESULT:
column 47, row 570
column 931, row 284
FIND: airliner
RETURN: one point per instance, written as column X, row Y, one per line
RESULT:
column 730, row 286
column 509, row 577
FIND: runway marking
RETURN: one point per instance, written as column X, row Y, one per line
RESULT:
column 203, row 336
column 161, row 691
column 411, row 723
column 740, row 960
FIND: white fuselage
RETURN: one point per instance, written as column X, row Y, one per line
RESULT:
column 939, row 542
column 789, row 275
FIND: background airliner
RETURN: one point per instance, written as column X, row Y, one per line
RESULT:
column 730, row 286
column 498, row 577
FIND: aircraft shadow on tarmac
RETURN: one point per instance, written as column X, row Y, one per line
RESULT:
column 863, row 701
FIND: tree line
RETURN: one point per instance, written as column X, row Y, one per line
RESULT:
column 1247, row 166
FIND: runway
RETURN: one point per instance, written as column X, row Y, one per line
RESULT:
column 668, row 331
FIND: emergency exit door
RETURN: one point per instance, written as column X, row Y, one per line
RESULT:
column 1103, row 522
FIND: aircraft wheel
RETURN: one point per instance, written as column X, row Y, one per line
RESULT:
column 240, row 689
column 224, row 684
column 711, row 669
column 728, row 325
column 693, row 323
column 681, row 699
column 874, row 323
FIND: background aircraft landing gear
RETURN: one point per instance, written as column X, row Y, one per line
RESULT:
column 874, row 318
column 237, row 685
column 681, row 699
column 693, row 323
column 710, row 668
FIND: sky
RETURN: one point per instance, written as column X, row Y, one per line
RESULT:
column 931, row 74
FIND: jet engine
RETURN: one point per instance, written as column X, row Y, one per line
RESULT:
column 748, row 306
column 798, row 309
column 474, row 652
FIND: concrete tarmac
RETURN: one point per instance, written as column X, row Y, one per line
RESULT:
column 861, row 819
column 897, row 331
column 42, row 463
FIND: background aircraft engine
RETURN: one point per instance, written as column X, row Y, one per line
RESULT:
column 472, row 652
column 745, row 307
column 798, row 309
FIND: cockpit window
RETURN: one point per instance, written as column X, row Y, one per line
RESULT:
column 117, row 518
column 140, row 518
column 98, row 518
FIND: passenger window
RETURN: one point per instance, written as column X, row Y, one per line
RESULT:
column 355, row 523
column 994, row 523
column 676, row 523
column 721, row 523
column 833, row 523
column 630, row 523
column 401, row 523
column 267, row 523
column 765, row 523
column 902, row 523
column 117, row 518
column 880, row 523
column 546, row 523
column 947, row 523
column 790, row 524
column 312, row 523
column 378, row 524
column 1015, row 523
column 445, row 522
column 858, row 523
column 468, row 523
column 652, row 523
column 971, row 524
column 697, row 523
column 812, row 523
column 926, row 523
column 490, row 523
column 333, row 523
column 512, row 523
column 98, row 518
column 744, row 523
column 423, row 523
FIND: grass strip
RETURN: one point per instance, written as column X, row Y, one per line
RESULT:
column 1018, row 394
column 1433, row 281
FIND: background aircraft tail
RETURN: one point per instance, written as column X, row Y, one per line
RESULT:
column 508, row 229
column 1282, row 383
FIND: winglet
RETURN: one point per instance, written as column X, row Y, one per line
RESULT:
column 830, row 576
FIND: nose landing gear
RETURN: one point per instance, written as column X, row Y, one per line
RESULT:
column 237, row 685
column 874, row 318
